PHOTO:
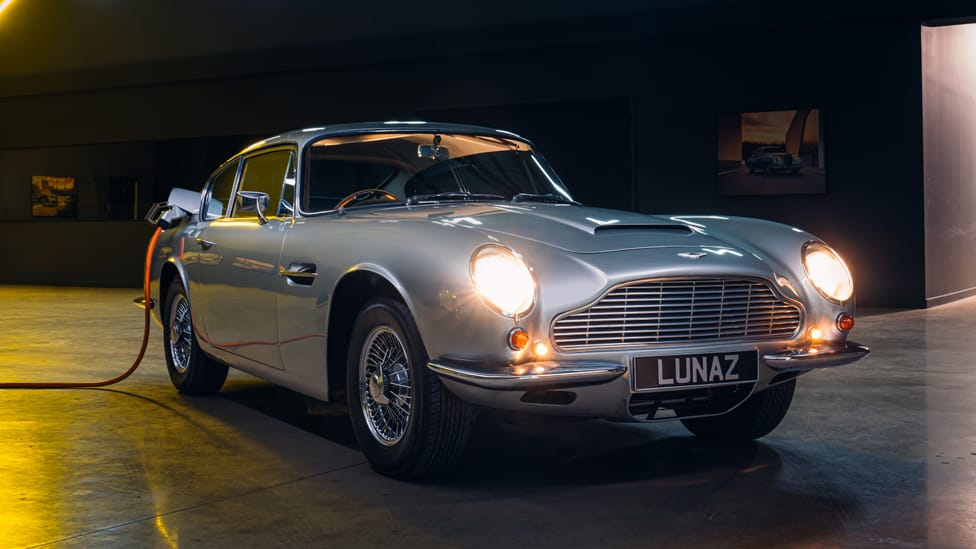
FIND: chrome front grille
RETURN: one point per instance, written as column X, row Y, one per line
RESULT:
column 679, row 311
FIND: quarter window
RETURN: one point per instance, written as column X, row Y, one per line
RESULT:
column 221, row 186
column 286, row 208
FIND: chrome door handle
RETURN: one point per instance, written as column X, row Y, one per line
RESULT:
column 299, row 273
column 205, row 244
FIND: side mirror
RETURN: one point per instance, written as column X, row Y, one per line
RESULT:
column 253, row 201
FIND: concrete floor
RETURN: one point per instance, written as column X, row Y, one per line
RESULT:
column 879, row 454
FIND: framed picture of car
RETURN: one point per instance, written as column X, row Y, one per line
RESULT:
column 53, row 196
column 771, row 153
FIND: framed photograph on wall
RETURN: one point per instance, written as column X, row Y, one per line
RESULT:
column 53, row 196
column 771, row 153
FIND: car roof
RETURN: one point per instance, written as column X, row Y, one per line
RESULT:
column 314, row 133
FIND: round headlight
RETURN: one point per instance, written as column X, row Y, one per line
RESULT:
column 503, row 280
column 827, row 271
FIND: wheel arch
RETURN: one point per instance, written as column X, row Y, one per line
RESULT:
column 167, row 274
column 351, row 293
column 171, row 270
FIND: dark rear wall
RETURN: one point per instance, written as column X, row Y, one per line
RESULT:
column 864, row 77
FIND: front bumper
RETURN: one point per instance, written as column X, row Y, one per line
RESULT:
column 600, row 388
column 538, row 374
column 817, row 357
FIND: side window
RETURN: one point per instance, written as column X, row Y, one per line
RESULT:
column 220, row 188
column 266, row 173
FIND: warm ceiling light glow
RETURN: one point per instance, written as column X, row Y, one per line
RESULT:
column 4, row 4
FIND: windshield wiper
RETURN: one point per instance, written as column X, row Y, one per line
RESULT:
column 529, row 197
column 454, row 195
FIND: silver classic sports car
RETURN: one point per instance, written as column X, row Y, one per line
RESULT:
column 773, row 159
column 422, row 271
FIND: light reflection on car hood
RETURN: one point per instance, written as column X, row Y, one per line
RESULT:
column 571, row 228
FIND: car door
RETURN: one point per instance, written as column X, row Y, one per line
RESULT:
column 313, row 251
column 238, row 271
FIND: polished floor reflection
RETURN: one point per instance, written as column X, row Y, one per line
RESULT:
column 879, row 454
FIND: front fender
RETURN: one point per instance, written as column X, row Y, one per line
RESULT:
column 780, row 246
column 435, row 285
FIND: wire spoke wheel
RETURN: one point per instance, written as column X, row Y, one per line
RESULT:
column 385, row 385
column 191, row 370
column 180, row 334
column 405, row 421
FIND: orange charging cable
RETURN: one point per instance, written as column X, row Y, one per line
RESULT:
column 142, row 349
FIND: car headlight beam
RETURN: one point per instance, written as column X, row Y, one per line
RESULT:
column 827, row 271
column 502, row 279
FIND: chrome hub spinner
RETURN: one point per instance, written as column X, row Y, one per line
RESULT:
column 377, row 389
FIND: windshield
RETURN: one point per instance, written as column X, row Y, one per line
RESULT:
column 424, row 167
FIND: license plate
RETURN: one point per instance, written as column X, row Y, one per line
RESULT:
column 705, row 369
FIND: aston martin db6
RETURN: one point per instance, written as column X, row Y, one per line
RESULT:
column 423, row 272
column 773, row 159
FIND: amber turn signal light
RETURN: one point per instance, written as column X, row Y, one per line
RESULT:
column 845, row 322
column 518, row 339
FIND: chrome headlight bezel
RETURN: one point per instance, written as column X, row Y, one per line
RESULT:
column 836, row 289
column 493, row 293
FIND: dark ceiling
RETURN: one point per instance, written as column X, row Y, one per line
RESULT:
column 47, row 37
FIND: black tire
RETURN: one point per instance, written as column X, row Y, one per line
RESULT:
column 754, row 418
column 191, row 371
column 437, row 425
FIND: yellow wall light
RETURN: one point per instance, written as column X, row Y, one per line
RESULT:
column 4, row 4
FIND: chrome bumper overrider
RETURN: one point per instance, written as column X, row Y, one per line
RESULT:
column 817, row 357
column 141, row 302
column 535, row 375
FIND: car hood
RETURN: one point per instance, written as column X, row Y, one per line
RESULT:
column 571, row 228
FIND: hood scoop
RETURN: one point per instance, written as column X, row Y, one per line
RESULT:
column 642, row 227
